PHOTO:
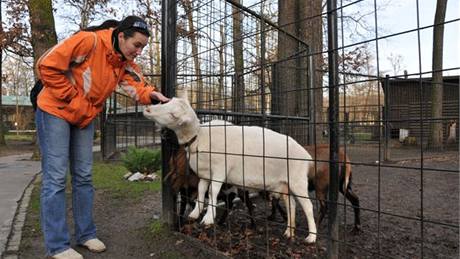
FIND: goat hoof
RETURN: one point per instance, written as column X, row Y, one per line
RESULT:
column 289, row 234
column 221, row 223
column 207, row 219
column 194, row 215
column 311, row 239
column 356, row 230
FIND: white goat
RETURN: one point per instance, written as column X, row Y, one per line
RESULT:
column 248, row 156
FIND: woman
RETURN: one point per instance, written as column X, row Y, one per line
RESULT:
column 78, row 75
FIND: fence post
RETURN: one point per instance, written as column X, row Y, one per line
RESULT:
column 136, row 124
column 386, row 152
column 108, row 137
column 102, row 128
column 333, row 231
column 311, row 100
column 168, row 83
column 262, row 72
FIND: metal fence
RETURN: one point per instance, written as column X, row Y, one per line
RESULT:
column 123, row 125
column 242, row 62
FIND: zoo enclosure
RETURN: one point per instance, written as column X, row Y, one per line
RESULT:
column 239, row 75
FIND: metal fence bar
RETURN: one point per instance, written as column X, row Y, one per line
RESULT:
column 351, row 125
column 421, row 100
column 333, row 227
column 168, row 82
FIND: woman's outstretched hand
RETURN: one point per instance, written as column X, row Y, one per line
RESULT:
column 159, row 97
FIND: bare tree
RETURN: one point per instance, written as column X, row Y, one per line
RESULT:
column 193, row 36
column 301, row 21
column 157, row 49
column 310, row 31
column 19, row 78
column 14, row 40
column 436, row 133
column 238, row 89
column 396, row 62
column 88, row 10
column 43, row 33
column 150, row 11
column 2, row 133
column 221, row 79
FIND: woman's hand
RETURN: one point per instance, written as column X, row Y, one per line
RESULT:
column 159, row 97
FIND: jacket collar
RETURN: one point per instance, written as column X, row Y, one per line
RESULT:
column 113, row 57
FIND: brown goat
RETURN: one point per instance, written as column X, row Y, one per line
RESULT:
column 184, row 182
column 318, row 180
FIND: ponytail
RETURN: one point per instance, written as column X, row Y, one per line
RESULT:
column 103, row 26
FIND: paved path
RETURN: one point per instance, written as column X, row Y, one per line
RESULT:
column 16, row 172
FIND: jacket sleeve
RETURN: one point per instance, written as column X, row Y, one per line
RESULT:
column 54, row 66
column 134, row 84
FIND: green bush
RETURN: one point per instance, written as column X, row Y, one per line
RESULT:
column 142, row 160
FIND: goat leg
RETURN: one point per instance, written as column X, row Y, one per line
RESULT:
column 183, row 205
column 244, row 196
column 353, row 198
column 321, row 196
column 228, row 200
column 276, row 206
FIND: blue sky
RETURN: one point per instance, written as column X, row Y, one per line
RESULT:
column 402, row 16
column 397, row 16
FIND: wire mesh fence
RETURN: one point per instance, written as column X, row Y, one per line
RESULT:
column 123, row 126
column 316, row 72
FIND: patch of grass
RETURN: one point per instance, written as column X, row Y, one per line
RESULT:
column 157, row 231
column 105, row 176
column 34, row 204
column 143, row 160
column 109, row 177
column 33, row 212
column 19, row 137
column 157, row 228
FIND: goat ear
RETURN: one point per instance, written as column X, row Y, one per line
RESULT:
column 173, row 116
column 183, row 120
column 180, row 119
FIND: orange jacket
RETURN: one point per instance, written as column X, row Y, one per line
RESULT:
column 81, row 72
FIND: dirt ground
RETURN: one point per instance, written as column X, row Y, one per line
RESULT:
column 129, row 229
column 391, row 212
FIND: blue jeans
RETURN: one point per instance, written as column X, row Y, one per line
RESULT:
column 63, row 145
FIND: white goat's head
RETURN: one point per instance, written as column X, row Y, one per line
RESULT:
column 172, row 115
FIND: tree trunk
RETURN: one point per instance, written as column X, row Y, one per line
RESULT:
column 152, row 56
column 43, row 35
column 158, row 52
column 2, row 129
column 283, row 96
column 220, row 92
column 312, row 33
column 85, row 14
column 436, row 133
column 238, row 80
column 290, row 88
column 193, row 39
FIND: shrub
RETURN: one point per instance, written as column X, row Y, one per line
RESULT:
column 142, row 160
